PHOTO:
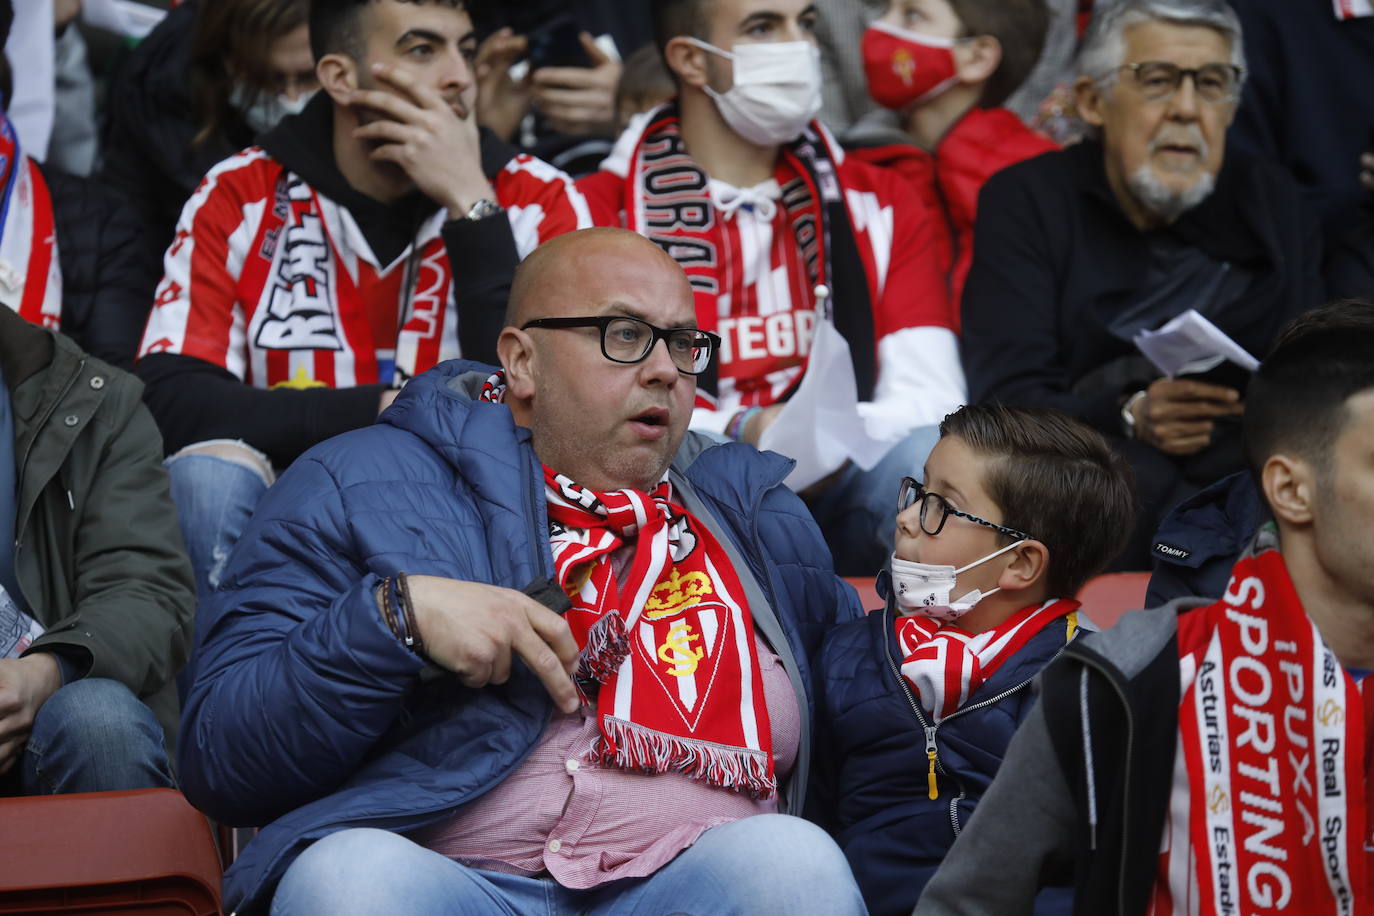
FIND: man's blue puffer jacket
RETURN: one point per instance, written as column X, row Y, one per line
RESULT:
column 871, row 766
column 307, row 715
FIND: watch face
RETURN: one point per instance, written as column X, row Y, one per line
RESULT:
column 484, row 208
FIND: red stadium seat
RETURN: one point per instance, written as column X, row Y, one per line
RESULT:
column 139, row 852
column 1106, row 597
column 868, row 596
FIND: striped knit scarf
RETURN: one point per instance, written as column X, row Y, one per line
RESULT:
column 1353, row 9
column 665, row 634
column 1269, row 799
column 946, row 665
column 30, row 276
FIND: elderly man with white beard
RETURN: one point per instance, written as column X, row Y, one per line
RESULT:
column 1076, row 251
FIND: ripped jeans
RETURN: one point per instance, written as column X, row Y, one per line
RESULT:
column 216, row 485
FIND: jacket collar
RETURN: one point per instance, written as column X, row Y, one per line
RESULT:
column 25, row 349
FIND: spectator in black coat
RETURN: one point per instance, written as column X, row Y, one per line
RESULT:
column 1076, row 251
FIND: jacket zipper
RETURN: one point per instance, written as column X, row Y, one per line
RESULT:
column 1126, row 781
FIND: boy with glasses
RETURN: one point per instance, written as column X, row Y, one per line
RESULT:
column 1018, row 509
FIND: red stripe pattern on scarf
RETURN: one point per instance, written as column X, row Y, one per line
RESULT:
column 29, row 267
column 666, row 637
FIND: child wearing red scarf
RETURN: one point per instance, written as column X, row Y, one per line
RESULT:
column 1016, row 508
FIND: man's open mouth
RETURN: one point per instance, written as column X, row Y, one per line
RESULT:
column 655, row 416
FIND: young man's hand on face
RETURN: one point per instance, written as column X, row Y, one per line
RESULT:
column 436, row 144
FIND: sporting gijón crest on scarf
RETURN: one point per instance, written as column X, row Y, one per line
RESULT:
column 1269, row 792
column 30, row 275
column 666, row 637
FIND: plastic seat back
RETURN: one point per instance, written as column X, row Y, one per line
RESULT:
column 1106, row 597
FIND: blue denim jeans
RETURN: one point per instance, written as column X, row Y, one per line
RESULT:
column 857, row 513
column 771, row 863
column 215, row 498
column 93, row 735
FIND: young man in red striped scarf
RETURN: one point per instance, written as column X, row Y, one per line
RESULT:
column 1017, row 509
column 1214, row 757
column 376, row 685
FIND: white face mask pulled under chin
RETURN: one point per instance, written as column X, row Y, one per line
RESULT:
column 776, row 91
column 263, row 110
column 922, row 589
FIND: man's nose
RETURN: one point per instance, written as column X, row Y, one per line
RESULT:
column 658, row 366
column 1185, row 104
column 457, row 73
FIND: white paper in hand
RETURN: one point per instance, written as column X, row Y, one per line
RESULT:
column 1190, row 344
column 820, row 427
column 17, row 629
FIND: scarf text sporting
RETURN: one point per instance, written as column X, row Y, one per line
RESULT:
column 666, row 637
column 30, row 275
column 1269, row 793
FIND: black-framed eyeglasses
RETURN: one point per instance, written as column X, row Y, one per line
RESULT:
column 1158, row 80
column 935, row 509
column 630, row 340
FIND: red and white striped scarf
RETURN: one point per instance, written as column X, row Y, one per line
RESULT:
column 1269, row 801
column 667, row 634
column 30, row 275
column 946, row 665
column 1353, row 9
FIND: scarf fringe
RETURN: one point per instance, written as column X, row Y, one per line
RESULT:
column 633, row 747
column 605, row 651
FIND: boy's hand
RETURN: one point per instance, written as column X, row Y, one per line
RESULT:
column 1176, row 415
column 433, row 141
column 501, row 101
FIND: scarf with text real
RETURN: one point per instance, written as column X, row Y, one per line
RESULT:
column 29, row 270
column 667, row 635
column 946, row 665
column 1269, row 797
column 669, row 199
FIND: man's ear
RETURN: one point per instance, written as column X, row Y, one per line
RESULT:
column 686, row 61
column 516, row 351
column 1030, row 563
column 1290, row 488
column 1090, row 101
column 977, row 60
column 338, row 76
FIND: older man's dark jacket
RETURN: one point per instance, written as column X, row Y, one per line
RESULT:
column 1056, row 260
column 98, row 554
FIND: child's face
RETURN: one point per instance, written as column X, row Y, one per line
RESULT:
column 955, row 471
column 929, row 17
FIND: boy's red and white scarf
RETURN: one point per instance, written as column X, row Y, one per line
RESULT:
column 946, row 665
column 1269, row 799
column 30, row 275
column 667, row 634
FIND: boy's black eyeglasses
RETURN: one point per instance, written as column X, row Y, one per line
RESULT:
column 932, row 524
column 630, row 340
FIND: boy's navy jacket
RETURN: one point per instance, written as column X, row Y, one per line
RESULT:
column 872, row 763
column 309, row 716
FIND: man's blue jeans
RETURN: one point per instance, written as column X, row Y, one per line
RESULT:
column 93, row 735
column 768, row 864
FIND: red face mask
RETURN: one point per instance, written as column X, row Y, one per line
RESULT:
column 905, row 68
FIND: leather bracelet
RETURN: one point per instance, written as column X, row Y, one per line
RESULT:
column 412, row 639
column 735, row 428
column 388, row 613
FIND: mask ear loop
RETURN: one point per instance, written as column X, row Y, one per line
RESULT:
column 993, row 555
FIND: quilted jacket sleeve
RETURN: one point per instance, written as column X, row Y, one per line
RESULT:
column 297, row 675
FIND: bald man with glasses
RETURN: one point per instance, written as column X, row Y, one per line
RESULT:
column 527, row 644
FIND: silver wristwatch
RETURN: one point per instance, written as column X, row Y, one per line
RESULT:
column 482, row 209
column 1128, row 414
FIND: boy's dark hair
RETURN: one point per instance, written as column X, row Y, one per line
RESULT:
column 680, row 17
column 1019, row 26
column 1057, row 479
column 1296, row 402
column 335, row 28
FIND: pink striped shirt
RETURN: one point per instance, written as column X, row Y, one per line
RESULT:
column 584, row 824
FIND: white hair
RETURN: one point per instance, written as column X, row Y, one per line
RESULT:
column 1104, row 46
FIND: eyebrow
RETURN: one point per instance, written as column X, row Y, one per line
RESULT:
column 759, row 19
column 631, row 312
column 421, row 35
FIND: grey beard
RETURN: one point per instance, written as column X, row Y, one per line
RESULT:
column 1164, row 203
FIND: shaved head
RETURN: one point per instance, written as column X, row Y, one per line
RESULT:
column 542, row 280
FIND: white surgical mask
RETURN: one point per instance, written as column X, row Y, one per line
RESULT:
column 923, row 588
column 262, row 111
column 777, row 89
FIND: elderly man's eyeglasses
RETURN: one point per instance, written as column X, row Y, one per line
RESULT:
column 1158, row 80
column 630, row 340
column 935, row 509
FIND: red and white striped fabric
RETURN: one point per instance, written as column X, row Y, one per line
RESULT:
column 1270, row 807
column 30, row 274
column 1353, row 9
column 755, row 282
column 946, row 665
column 275, row 282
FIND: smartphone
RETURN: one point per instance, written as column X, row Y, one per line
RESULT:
column 556, row 43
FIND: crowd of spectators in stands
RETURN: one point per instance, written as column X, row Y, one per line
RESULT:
column 345, row 488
